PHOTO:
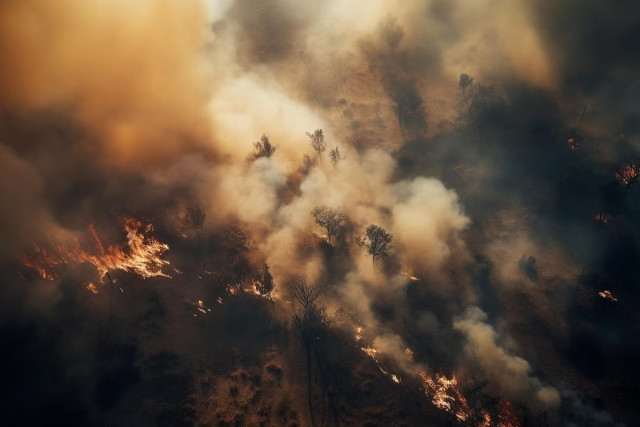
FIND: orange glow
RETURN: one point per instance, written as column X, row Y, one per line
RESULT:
column 142, row 255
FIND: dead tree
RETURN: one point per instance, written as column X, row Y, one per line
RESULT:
column 310, row 320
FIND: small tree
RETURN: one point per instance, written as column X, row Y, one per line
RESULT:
column 332, row 220
column 317, row 141
column 265, row 285
column 465, row 81
column 306, row 166
column 376, row 240
column 335, row 156
column 263, row 148
column 390, row 31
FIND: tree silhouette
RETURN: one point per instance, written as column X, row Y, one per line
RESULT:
column 266, row 285
column 391, row 32
column 317, row 141
column 335, row 156
column 465, row 81
column 376, row 240
column 263, row 148
column 332, row 220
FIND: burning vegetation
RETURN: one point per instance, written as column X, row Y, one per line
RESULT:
column 347, row 221
column 141, row 255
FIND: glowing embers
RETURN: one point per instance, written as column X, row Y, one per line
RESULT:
column 629, row 172
column 445, row 394
column 142, row 254
column 601, row 218
column 573, row 143
column 608, row 296
column 410, row 277
column 373, row 353
column 201, row 307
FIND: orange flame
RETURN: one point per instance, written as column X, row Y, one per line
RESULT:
column 445, row 394
column 607, row 295
column 143, row 255
column 629, row 173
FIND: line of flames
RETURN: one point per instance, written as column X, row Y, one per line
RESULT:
column 142, row 254
column 444, row 393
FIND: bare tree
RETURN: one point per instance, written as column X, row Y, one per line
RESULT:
column 335, row 156
column 376, row 240
column 332, row 220
column 465, row 81
column 263, row 148
column 304, row 293
column 310, row 320
column 317, row 141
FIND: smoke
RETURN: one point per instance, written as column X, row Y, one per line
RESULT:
column 113, row 108
column 511, row 373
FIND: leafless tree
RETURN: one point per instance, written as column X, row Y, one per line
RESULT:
column 317, row 141
column 304, row 293
column 376, row 240
column 310, row 320
column 332, row 220
column 263, row 148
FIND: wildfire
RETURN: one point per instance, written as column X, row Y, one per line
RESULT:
column 573, row 144
column 92, row 287
column 607, row 295
column 373, row 353
column 201, row 307
column 409, row 354
column 629, row 173
column 410, row 277
column 358, row 333
column 142, row 255
column 601, row 218
column 445, row 394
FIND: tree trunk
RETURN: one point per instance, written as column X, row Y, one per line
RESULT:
column 307, row 346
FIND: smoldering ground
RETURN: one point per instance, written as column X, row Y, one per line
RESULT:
column 114, row 110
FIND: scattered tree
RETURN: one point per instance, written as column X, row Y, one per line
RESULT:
column 307, row 164
column 332, row 220
column 263, row 148
column 376, row 240
column 317, row 141
column 335, row 156
column 265, row 285
column 390, row 31
column 465, row 81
